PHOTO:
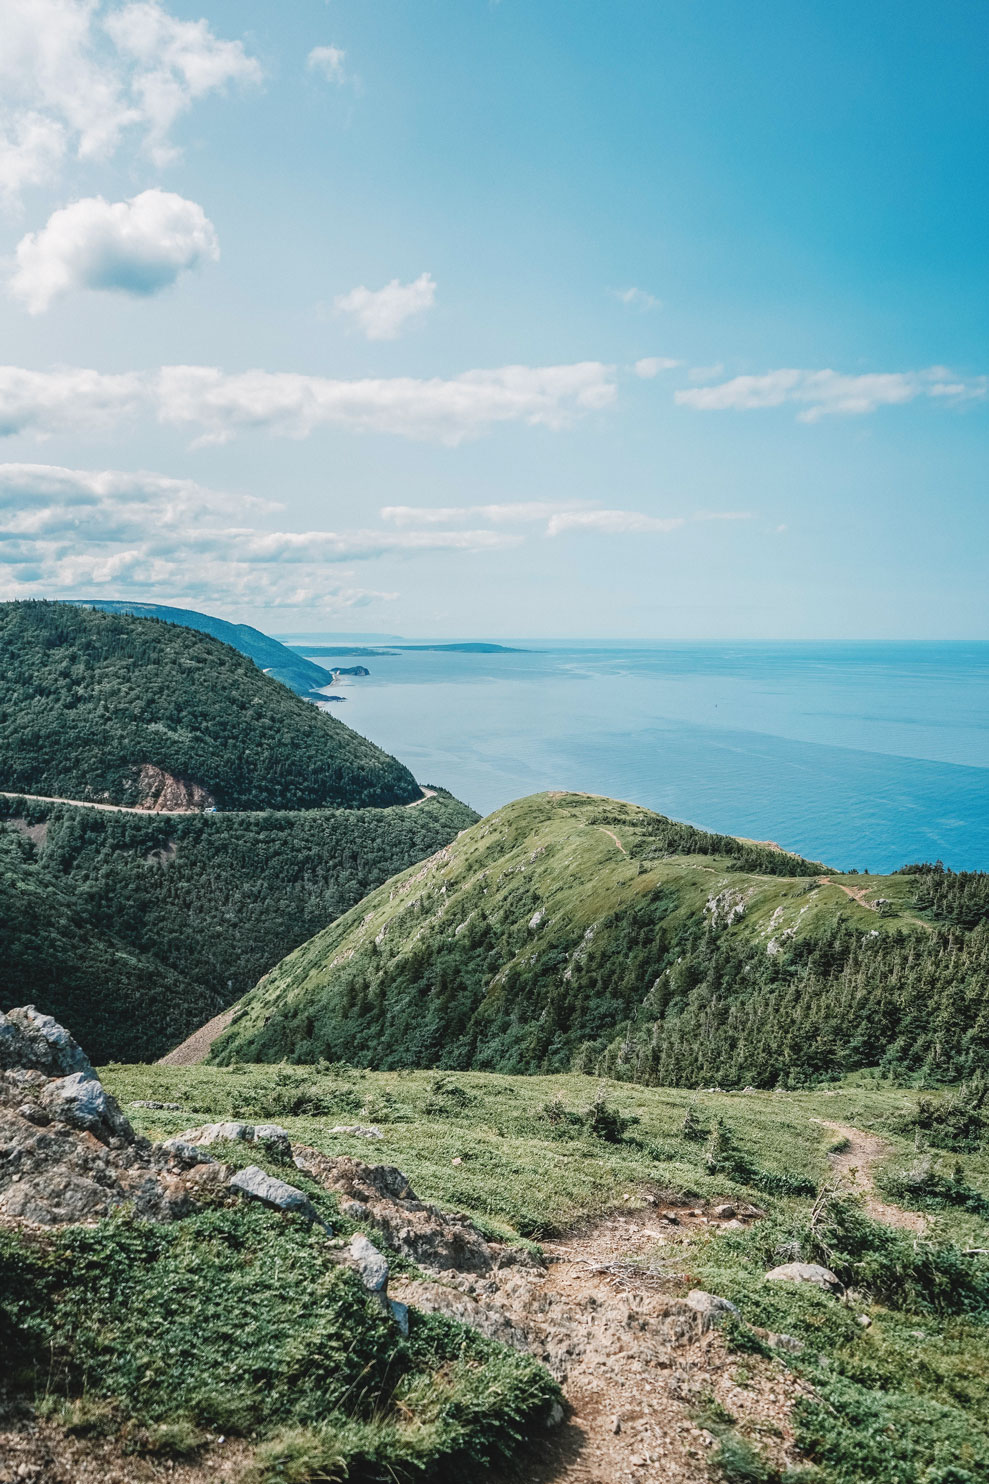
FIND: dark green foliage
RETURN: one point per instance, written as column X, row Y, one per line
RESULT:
column 723, row 1011
column 957, row 1121
column 957, row 897
column 896, row 1267
column 239, row 1321
column 292, row 669
column 135, row 929
column 654, row 837
column 89, row 698
column 930, row 1188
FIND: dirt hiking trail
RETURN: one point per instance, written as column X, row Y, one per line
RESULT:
column 854, row 1166
column 636, row 1362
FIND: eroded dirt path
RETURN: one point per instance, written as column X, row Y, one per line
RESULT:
column 608, row 1318
column 854, row 1167
column 89, row 804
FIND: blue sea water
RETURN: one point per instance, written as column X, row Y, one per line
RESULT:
column 863, row 755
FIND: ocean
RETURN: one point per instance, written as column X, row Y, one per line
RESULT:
column 862, row 755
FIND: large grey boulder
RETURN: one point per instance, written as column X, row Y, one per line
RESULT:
column 83, row 1102
column 258, row 1186
column 29, row 1039
column 369, row 1262
column 805, row 1272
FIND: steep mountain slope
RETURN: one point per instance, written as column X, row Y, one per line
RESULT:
column 567, row 930
column 104, row 707
column 206, row 904
column 56, row 957
column 299, row 674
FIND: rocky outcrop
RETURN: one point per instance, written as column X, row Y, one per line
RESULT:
column 381, row 1196
column 67, row 1152
column 805, row 1272
column 165, row 793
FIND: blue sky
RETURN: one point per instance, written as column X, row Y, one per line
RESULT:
column 541, row 317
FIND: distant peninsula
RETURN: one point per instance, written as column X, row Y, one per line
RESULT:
column 323, row 650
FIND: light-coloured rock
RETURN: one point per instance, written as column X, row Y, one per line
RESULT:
column 157, row 1107
column 83, row 1102
column 724, row 1213
column 369, row 1262
column 185, row 1154
column 805, row 1272
column 37, row 1041
column 253, row 1182
column 713, row 1309
column 357, row 1130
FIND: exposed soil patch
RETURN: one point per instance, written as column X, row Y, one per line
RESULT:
column 36, row 833
column 164, row 793
column 33, row 1451
column 637, row 1363
column 195, row 1048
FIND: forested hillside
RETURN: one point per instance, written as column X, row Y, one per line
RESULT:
column 568, row 930
column 137, row 928
column 275, row 659
column 91, row 700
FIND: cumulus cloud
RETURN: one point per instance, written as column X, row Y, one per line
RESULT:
column 651, row 366
column 612, row 522
column 382, row 314
column 135, row 247
column 217, row 406
column 823, row 393
column 329, row 62
column 636, row 298
column 79, row 77
column 77, row 532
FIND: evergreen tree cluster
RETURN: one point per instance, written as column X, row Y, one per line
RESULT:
column 89, row 698
column 135, row 929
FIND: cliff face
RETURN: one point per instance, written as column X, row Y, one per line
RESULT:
column 163, row 792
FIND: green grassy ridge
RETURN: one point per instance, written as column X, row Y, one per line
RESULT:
column 90, row 697
column 567, row 929
column 135, row 929
column 903, row 1401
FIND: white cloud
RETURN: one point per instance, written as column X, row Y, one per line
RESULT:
column 820, row 393
column 217, row 406
column 135, row 247
column 651, row 366
column 636, row 298
column 329, row 61
column 427, row 515
column 66, row 532
column 612, row 522
column 706, row 373
column 78, row 77
column 382, row 314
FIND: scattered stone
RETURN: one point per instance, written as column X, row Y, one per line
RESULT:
column 357, row 1130
column 616, row 1425
column 157, row 1107
column 805, row 1272
column 370, row 1264
column 253, row 1182
column 724, row 1213
column 33, row 1114
column 864, row 1320
column 272, row 1135
column 713, row 1309
column 556, row 1415
column 787, row 1342
column 456, row 1160
column 185, row 1154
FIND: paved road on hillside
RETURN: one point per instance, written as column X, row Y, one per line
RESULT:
column 427, row 793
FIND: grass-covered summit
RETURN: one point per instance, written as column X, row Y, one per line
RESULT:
column 573, row 931
column 93, row 702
